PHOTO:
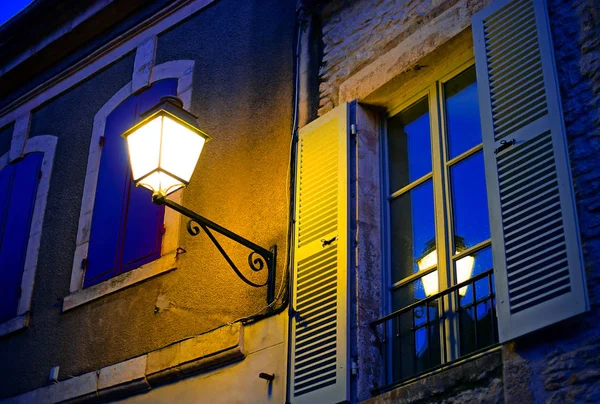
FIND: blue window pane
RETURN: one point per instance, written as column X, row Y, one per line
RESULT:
column 409, row 143
column 412, row 231
column 469, row 202
column 462, row 113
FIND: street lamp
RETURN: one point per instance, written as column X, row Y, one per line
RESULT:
column 163, row 151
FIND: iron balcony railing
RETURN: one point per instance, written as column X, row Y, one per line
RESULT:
column 436, row 331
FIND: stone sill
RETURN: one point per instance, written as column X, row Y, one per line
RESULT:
column 162, row 265
column 219, row 347
column 14, row 324
column 470, row 371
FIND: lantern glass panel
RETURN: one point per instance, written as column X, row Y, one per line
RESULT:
column 144, row 148
column 181, row 148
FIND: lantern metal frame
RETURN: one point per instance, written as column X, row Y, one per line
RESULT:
column 259, row 258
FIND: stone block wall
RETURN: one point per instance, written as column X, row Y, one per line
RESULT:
column 356, row 33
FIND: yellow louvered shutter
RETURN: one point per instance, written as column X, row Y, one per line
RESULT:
column 319, row 328
column 538, row 263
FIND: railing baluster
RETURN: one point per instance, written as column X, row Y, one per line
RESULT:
column 492, row 307
column 474, row 297
column 427, row 335
column 385, row 354
column 414, row 333
column 442, row 321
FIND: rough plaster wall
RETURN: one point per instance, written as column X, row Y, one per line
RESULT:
column 562, row 363
column 355, row 33
column 5, row 138
column 53, row 338
column 242, row 96
column 242, row 93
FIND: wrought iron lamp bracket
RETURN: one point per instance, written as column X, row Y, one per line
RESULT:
column 258, row 259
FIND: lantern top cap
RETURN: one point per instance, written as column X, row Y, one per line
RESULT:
column 173, row 107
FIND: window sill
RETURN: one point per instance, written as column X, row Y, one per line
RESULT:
column 164, row 264
column 14, row 324
column 476, row 369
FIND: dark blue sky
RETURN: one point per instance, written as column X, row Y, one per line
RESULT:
column 9, row 8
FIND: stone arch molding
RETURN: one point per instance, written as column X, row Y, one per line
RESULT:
column 182, row 70
column 45, row 144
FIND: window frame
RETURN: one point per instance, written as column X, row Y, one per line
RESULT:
column 432, row 87
column 182, row 70
column 46, row 145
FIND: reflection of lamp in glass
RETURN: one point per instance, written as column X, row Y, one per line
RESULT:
column 464, row 266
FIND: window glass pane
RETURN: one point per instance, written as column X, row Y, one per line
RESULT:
column 462, row 113
column 412, row 231
column 409, row 145
column 469, row 202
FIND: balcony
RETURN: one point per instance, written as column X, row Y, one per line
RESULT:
column 438, row 331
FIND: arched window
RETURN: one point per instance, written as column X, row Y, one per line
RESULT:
column 127, row 228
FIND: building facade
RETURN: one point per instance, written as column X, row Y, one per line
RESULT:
column 426, row 169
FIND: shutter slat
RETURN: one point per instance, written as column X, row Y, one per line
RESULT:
column 319, row 354
column 535, row 240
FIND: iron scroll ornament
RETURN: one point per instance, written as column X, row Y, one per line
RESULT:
column 258, row 259
column 256, row 264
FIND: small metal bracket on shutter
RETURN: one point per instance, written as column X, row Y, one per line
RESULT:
column 84, row 264
column 505, row 144
column 102, row 141
column 163, row 229
column 325, row 243
column 353, row 129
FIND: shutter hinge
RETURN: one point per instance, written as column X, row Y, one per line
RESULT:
column 84, row 263
column 20, row 291
column 163, row 229
column 354, row 369
column 102, row 140
column 353, row 129
column 40, row 173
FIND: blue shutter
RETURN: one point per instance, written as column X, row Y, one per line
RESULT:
column 126, row 226
column 17, row 222
column 111, row 198
column 144, row 222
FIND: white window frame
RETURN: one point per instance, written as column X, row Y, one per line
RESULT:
column 20, row 146
column 432, row 88
column 145, row 73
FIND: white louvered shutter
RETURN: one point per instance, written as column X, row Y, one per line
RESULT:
column 538, row 263
column 319, row 329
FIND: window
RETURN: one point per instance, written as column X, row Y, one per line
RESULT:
column 18, row 190
column 127, row 228
column 439, row 231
